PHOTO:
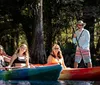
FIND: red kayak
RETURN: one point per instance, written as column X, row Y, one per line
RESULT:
column 90, row 74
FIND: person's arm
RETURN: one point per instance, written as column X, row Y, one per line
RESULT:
column 52, row 60
column 12, row 60
column 63, row 64
column 87, row 40
column 49, row 60
column 27, row 62
column 7, row 59
column 74, row 38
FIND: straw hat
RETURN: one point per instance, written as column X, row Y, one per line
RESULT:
column 81, row 22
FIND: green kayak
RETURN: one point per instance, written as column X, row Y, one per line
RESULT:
column 49, row 72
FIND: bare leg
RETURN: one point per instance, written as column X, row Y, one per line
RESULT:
column 89, row 65
column 75, row 65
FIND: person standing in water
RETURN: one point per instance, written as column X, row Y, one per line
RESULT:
column 82, row 38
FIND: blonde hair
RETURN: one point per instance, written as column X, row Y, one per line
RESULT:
column 26, row 53
column 55, row 45
column 59, row 54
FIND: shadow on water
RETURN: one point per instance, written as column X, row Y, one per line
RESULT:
column 49, row 82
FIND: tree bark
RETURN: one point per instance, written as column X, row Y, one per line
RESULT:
column 37, row 48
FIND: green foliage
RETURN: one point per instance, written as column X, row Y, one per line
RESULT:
column 17, row 21
column 26, row 11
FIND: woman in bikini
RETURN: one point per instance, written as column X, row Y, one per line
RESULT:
column 56, row 56
column 20, row 57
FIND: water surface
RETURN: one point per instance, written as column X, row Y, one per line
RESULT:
column 67, row 82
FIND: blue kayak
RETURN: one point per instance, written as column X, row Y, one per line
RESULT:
column 50, row 72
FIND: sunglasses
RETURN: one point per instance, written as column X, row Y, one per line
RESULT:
column 80, row 25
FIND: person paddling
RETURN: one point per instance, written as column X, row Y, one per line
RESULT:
column 82, row 38
column 56, row 56
column 21, row 57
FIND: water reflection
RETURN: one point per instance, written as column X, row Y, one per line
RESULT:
column 4, row 83
column 77, row 82
column 49, row 82
column 29, row 82
column 83, row 83
column 14, row 82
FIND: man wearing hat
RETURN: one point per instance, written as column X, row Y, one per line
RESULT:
column 82, row 38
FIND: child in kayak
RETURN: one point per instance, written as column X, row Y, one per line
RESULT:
column 56, row 56
column 21, row 57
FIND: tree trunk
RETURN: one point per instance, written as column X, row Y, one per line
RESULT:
column 37, row 48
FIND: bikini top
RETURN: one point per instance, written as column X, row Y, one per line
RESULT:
column 20, row 59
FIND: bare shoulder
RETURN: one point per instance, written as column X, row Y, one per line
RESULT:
column 49, row 57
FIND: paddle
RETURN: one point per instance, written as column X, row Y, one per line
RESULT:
column 9, row 68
